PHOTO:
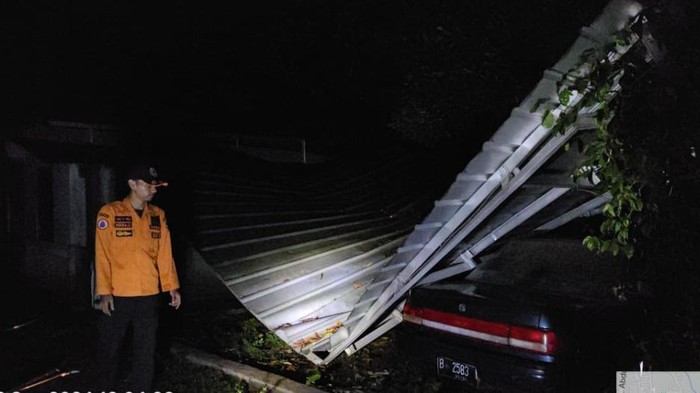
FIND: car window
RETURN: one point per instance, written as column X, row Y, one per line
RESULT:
column 562, row 266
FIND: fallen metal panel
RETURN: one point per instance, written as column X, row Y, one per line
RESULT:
column 463, row 261
column 583, row 210
column 299, row 258
column 330, row 283
column 488, row 180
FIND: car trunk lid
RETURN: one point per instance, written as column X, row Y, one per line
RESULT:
column 496, row 316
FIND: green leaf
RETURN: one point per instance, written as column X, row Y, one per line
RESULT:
column 548, row 119
column 615, row 248
column 609, row 210
column 617, row 226
column 564, row 97
column 623, row 235
column 605, row 158
column 313, row 378
column 591, row 242
column 635, row 204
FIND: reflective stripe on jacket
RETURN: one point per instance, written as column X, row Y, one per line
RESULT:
column 133, row 255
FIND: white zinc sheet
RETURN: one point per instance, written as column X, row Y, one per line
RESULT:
column 514, row 153
column 332, row 286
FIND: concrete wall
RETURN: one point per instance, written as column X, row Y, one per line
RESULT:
column 62, row 262
column 69, row 215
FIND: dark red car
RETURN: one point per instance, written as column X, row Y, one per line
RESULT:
column 540, row 315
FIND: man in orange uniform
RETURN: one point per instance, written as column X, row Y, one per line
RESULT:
column 133, row 265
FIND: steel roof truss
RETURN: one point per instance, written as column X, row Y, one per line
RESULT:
column 584, row 210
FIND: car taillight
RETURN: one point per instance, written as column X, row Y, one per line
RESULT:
column 414, row 315
column 532, row 339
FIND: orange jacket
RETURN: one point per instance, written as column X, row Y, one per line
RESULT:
column 133, row 255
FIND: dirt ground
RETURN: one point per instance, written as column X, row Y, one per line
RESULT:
column 379, row 367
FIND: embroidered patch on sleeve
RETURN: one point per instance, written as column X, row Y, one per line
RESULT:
column 125, row 233
column 102, row 224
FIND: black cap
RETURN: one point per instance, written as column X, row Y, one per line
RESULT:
column 145, row 172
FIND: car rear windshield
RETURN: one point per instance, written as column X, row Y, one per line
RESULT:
column 561, row 266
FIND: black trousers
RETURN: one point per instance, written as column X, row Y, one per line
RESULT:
column 141, row 313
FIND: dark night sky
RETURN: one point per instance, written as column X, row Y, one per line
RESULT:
column 263, row 66
column 278, row 67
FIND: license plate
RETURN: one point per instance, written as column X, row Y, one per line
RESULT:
column 456, row 370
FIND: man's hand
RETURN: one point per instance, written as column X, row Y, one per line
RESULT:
column 175, row 298
column 107, row 304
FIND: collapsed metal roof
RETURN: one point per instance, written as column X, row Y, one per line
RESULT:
column 324, row 267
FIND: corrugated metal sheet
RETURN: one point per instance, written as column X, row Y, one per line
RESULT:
column 298, row 245
column 324, row 267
